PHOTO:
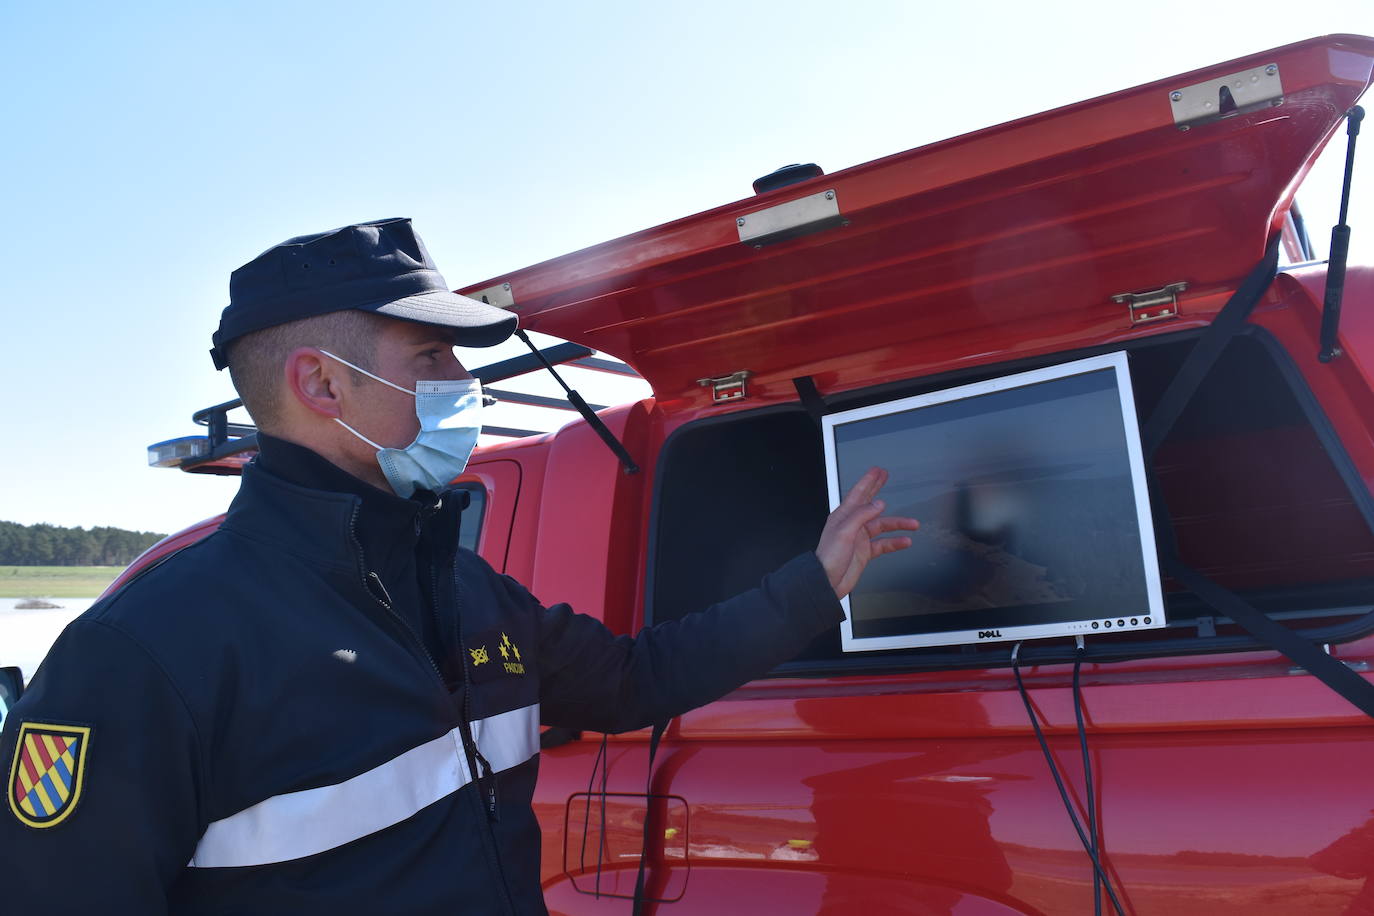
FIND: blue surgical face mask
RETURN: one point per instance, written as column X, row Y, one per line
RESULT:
column 450, row 414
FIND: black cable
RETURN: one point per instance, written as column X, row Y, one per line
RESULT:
column 1087, row 778
column 601, row 842
column 1059, row 782
column 599, row 762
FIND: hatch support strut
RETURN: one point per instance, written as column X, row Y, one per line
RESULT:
column 592, row 419
column 1199, row 361
column 1340, row 248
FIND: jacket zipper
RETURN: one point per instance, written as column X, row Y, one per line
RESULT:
column 477, row 764
column 486, row 782
column 488, row 775
column 384, row 599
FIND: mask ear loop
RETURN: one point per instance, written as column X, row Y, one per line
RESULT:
column 358, row 434
column 371, row 376
column 366, row 373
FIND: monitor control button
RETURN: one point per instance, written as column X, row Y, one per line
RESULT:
column 1094, row 624
column 1107, row 624
column 1134, row 621
column 1147, row 620
column 1121, row 623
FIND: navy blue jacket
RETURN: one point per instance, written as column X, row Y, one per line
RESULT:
column 264, row 724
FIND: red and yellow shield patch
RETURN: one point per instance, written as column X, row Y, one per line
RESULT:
column 46, row 775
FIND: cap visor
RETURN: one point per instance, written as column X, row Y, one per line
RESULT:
column 477, row 323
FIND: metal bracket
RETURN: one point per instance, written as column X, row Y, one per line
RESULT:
column 499, row 295
column 1227, row 96
column 1152, row 305
column 1360, row 666
column 794, row 218
column 732, row 387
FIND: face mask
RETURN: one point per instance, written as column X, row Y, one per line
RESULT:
column 450, row 414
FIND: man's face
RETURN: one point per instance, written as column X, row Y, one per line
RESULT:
column 406, row 353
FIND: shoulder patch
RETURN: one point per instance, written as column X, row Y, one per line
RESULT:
column 47, row 772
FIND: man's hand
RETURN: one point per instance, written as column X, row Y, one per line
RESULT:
column 847, row 541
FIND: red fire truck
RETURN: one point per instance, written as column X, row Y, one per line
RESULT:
column 1225, row 778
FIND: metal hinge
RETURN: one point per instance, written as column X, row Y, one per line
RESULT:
column 1152, row 305
column 790, row 220
column 1227, row 96
column 732, row 387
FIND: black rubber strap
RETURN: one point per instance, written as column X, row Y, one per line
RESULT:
column 1330, row 671
column 1232, row 317
column 811, row 398
column 654, row 737
column 1204, row 354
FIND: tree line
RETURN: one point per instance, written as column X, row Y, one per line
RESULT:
column 52, row 545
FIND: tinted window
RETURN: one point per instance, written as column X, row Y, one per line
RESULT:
column 470, row 525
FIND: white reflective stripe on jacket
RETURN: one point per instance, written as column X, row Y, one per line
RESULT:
column 311, row 821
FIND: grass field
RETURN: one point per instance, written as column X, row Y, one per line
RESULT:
column 55, row 581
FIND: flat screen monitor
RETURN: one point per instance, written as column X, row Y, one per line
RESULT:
column 1035, row 517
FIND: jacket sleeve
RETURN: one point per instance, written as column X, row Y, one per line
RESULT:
column 593, row 679
column 117, row 819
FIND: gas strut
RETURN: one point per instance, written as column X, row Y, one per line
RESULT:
column 592, row 419
column 1340, row 249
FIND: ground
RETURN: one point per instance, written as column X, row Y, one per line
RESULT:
column 55, row 581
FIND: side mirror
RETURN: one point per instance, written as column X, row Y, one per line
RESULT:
column 11, row 687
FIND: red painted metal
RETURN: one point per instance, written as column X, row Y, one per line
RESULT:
column 1009, row 240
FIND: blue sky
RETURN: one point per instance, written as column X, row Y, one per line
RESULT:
column 153, row 147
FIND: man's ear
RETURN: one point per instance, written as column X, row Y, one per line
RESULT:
column 315, row 381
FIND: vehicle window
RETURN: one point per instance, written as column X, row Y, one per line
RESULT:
column 9, row 690
column 470, row 524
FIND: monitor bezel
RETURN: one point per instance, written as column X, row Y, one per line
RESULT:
column 1150, row 617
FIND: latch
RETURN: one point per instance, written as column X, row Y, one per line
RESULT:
column 1154, row 305
column 732, row 387
column 790, row 220
column 1226, row 96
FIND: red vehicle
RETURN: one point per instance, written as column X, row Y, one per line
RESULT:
column 1226, row 780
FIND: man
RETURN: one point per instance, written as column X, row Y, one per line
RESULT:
column 300, row 713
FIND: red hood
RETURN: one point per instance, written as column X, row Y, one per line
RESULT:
column 1025, row 230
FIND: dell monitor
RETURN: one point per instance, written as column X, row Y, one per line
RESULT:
column 1035, row 517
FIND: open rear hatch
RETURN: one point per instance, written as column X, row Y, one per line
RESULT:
column 1125, row 222
column 1006, row 242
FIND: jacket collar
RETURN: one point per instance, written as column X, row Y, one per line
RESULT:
column 294, row 499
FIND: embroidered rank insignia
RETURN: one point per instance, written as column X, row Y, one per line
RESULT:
column 47, row 772
column 496, row 656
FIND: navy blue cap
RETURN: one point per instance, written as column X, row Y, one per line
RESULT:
column 381, row 267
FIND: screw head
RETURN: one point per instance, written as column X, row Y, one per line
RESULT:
column 740, row 221
column 1175, row 96
column 1271, row 69
column 506, row 287
column 829, row 195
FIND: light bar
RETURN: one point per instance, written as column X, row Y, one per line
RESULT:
column 173, row 453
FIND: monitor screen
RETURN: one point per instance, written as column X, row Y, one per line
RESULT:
column 1035, row 517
